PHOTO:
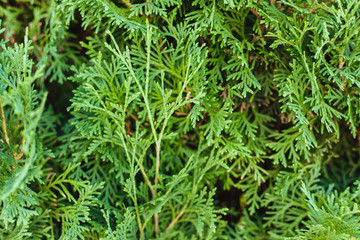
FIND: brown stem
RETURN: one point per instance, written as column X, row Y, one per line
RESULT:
column 156, row 223
column 127, row 3
column 128, row 128
column 177, row 217
column 157, row 163
column 132, row 115
column 4, row 124
column 256, row 14
column 147, row 180
column 358, row 135
column 181, row 113
column 157, row 167
column 153, row 193
column 142, row 170
column 223, row 94
column 341, row 65
column 20, row 154
column 187, row 91
column 140, row 229
column 321, row 4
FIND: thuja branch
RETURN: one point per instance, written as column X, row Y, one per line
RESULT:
column 157, row 140
column 134, row 198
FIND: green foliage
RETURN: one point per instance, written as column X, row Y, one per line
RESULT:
column 172, row 119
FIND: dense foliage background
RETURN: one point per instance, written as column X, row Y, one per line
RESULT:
column 174, row 119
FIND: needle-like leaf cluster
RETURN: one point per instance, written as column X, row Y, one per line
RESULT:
column 206, row 119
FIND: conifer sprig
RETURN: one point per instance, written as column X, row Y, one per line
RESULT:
column 206, row 119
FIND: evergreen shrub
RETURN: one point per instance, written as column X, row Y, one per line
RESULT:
column 175, row 119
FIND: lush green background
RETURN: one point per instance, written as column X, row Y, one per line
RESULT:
column 172, row 119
